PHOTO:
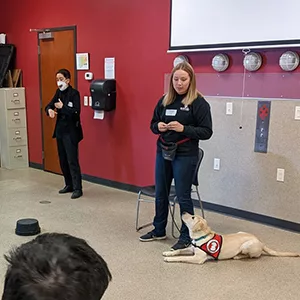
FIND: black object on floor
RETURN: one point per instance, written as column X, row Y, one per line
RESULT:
column 27, row 227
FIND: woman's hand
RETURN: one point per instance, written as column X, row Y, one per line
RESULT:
column 51, row 113
column 162, row 127
column 58, row 104
column 176, row 126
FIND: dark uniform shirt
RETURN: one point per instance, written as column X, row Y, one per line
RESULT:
column 196, row 119
column 68, row 117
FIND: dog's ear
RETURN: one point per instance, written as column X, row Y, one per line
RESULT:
column 205, row 227
column 197, row 227
column 201, row 225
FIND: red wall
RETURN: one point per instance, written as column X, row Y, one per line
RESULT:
column 136, row 33
column 121, row 147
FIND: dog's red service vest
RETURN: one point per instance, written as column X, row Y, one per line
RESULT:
column 213, row 246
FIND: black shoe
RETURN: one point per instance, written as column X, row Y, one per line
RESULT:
column 180, row 245
column 150, row 236
column 66, row 189
column 76, row 194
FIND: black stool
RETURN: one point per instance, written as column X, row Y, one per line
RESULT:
column 27, row 227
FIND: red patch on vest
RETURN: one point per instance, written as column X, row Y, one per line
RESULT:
column 213, row 246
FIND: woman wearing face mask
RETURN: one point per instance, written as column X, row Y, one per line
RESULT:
column 68, row 132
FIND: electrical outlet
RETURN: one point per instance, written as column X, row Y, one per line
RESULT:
column 217, row 164
column 229, row 108
column 280, row 175
column 297, row 113
column 85, row 100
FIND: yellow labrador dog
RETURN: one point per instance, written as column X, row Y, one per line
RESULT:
column 208, row 245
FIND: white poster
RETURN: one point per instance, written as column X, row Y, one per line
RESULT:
column 109, row 68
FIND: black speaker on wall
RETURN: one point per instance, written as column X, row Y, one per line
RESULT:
column 7, row 60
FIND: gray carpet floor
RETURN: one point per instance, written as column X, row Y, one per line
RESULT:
column 105, row 217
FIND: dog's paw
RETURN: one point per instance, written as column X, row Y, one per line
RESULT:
column 168, row 253
column 168, row 259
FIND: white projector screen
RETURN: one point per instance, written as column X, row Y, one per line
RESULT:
column 202, row 25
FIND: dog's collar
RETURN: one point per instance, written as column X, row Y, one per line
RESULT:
column 200, row 238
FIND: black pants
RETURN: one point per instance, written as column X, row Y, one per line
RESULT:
column 68, row 159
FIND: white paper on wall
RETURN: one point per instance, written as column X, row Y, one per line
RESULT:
column 99, row 114
column 2, row 38
column 109, row 68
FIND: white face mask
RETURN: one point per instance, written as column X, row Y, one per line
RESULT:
column 62, row 85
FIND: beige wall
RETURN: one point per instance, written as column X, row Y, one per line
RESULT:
column 247, row 179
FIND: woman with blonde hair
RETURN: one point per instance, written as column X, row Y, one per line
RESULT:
column 181, row 118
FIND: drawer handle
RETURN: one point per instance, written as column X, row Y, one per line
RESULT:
column 16, row 120
column 17, row 138
column 16, row 101
column 18, row 156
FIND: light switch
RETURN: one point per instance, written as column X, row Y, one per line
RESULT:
column 280, row 175
column 229, row 108
column 217, row 164
column 85, row 100
column 90, row 100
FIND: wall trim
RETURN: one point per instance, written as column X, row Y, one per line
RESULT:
column 110, row 183
column 35, row 166
column 251, row 216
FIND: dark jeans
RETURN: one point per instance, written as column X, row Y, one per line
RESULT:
column 68, row 159
column 182, row 169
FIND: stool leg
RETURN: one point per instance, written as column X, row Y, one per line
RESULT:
column 139, row 200
column 137, row 211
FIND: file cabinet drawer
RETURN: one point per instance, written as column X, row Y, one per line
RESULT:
column 18, row 157
column 16, row 118
column 15, row 98
column 17, row 137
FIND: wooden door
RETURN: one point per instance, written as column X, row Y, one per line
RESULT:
column 57, row 52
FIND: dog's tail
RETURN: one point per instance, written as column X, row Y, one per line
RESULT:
column 268, row 251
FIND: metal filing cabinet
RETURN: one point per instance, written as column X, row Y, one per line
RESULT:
column 13, row 128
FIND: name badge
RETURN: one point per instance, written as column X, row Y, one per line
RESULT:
column 171, row 112
column 185, row 108
column 70, row 104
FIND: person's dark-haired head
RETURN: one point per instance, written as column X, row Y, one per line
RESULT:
column 55, row 266
column 63, row 78
column 66, row 73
